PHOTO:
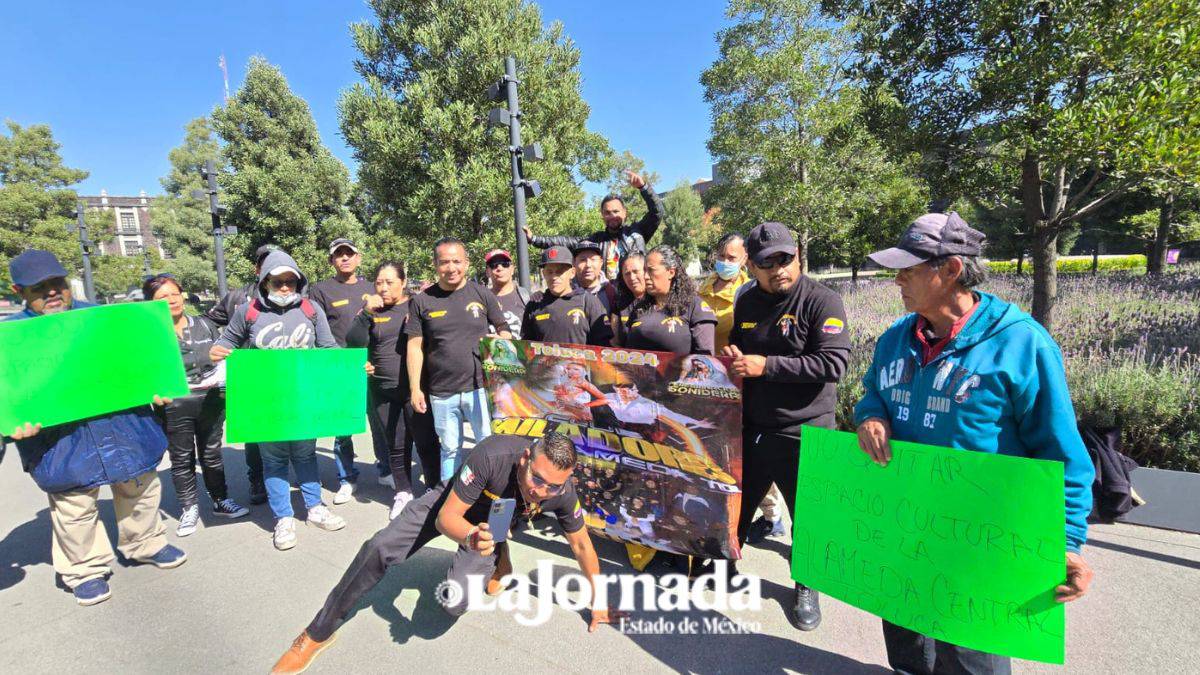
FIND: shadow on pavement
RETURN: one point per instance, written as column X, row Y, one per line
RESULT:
column 26, row 545
column 1142, row 553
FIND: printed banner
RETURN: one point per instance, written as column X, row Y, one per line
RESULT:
column 295, row 394
column 966, row 547
column 659, row 436
column 85, row 362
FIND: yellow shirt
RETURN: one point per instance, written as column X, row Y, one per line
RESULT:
column 721, row 303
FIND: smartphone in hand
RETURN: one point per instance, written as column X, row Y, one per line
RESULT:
column 500, row 518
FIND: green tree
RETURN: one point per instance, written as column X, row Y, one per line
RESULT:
column 283, row 185
column 787, row 128
column 417, row 123
column 36, row 201
column 1070, row 103
column 683, row 222
column 184, row 222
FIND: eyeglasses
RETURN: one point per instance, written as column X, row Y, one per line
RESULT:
column 780, row 260
column 280, row 283
column 499, row 263
column 543, row 484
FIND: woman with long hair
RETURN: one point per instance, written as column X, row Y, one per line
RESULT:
column 194, row 423
column 395, row 425
column 631, row 287
column 669, row 317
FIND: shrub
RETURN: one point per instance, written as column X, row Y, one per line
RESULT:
column 1076, row 265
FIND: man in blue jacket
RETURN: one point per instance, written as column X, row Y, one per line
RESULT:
column 967, row 370
column 71, row 461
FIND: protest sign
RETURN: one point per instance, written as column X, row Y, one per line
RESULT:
column 658, row 435
column 966, row 547
column 81, row 363
column 295, row 394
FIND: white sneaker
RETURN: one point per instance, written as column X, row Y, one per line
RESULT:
column 322, row 517
column 188, row 520
column 343, row 494
column 387, row 481
column 285, row 533
column 401, row 501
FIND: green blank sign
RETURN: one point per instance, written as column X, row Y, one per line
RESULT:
column 966, row 547
column 294, row 394
column 85, row 362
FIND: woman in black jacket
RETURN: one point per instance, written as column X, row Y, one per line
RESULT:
column 395, row 425
column 194, row 423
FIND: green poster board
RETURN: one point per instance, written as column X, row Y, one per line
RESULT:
column 294, row 394
column 85, row 362
column 966, row 547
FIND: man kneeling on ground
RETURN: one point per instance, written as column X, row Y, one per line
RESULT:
column 534, row 471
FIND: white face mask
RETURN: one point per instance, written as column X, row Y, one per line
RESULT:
column 283, row 299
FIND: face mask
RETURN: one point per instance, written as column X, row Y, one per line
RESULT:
column 283, row 300
column 727, row 270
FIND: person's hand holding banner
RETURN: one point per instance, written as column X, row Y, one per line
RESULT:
column 1079, row 577
column 27, row 431
column 218, row 353
column 603, row 616
column 873, row 436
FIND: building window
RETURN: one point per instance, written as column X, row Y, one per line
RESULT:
column 128, row 223
column 131, row 245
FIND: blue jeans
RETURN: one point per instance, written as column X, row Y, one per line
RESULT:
column 343, row 458
column 449, row 413
column 303, row 457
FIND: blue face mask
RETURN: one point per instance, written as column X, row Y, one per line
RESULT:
column 727, row 270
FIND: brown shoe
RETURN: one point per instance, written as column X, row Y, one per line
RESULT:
column 503, row 567
column 304, row 649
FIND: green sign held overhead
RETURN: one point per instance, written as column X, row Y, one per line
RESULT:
column 85, row 362
column 294, row 394
column 966, row 547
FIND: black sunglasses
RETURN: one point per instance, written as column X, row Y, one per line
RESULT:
column 780, row 260
column 543, row 484
column 499, row 263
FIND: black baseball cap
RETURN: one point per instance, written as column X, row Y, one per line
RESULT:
column 933, row 235
column 586, row 245
column 262, row 252
column 338, row 243
column 33, row 267
column 556, row 255
column 768, row 239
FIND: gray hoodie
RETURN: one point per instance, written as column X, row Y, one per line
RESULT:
column 277, row 327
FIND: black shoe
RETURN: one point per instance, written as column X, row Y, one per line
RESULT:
column 759, row 530
column 258, row 493
column 707, row 566
column 806, row 608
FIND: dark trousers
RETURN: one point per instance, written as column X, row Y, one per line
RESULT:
column 395, row 428
column 910, row 653
column 193, row 425
column 395, row 543
column 254, row 467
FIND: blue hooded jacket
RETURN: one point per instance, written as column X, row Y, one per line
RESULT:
column 998, row 386
column 102, row 450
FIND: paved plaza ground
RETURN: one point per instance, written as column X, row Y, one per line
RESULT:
column 235, row 606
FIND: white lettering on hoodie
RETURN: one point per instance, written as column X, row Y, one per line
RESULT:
column 271, row 336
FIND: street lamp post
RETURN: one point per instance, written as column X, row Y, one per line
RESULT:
column 85, row 246
column 215, row 210
column 506, row 89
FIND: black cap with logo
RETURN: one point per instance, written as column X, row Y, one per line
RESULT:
column 768, row 239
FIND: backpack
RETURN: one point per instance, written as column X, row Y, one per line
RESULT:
column 254, row 309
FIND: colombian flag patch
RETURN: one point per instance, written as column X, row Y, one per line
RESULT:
column 833, row 326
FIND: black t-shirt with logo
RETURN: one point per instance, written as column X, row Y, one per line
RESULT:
column 803, row 334
column 341, row 302
column 490, row 472
column 514, row 308
column 382, row 333
column 694, row 332
column 450, row 324
column 576, row 318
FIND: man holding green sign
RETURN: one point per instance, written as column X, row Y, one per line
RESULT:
column 72, row 444
column 968, row 370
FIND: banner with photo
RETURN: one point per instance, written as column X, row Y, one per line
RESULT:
column 658, row 434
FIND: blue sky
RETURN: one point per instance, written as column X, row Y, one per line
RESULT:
column 117, row 81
